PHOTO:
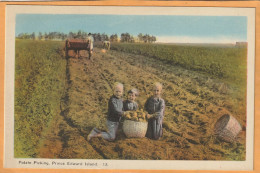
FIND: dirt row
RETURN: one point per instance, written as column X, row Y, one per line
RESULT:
column 194, row 102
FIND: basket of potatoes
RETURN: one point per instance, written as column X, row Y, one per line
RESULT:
column 135, row 123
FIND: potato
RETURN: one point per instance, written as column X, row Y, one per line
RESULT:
column 135, row 119
column 126, row 114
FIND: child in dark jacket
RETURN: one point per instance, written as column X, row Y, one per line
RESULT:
column 115, row 112
column 155, row 106
column 130, row 104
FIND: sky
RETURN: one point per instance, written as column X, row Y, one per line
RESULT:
column 170, row 28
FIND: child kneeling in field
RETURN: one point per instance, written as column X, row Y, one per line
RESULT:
column 115, row 112
column 130, row 104
column 155, row 106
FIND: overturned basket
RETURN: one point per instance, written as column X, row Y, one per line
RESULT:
column 227, row 128
column 134, row 129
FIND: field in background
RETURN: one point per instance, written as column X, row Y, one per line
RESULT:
column 60, row 100
column 227, row 63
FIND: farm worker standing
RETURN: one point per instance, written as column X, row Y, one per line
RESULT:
column 155, row 106
column 115, row 112
column 90, row 45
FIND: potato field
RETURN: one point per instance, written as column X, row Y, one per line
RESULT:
column 58, row 100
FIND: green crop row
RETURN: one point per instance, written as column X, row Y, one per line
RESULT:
column 223, row 62
column 40, row 70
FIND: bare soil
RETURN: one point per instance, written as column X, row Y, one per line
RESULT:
column 194, row 102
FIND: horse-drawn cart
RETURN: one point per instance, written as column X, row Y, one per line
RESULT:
column 77, row 45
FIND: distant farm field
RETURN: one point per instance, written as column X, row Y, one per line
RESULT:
column 58, row 100
column 224, row 62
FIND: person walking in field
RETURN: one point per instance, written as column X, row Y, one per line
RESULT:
column 130, row 104
column 155, row 106
column 90, row 45
column 115, row 112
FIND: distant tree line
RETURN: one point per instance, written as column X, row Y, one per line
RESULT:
column 124, row 37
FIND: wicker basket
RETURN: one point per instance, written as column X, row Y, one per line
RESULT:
column 134, row 129
column 227, row 128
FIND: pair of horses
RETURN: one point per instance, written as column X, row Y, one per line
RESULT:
column 77, row 45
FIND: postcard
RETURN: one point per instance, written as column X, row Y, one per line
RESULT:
column 113, row 87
